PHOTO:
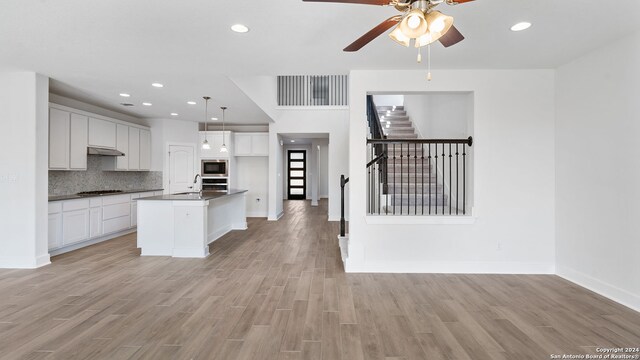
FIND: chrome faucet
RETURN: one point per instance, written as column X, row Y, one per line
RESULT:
column 195, row 182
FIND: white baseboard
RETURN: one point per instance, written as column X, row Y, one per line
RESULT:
column 607, row 290
column 80, row 245
column 190, row 252
column 277, row 217
column 23, row 262
column 323, row 196
column 437, row 267
column 219, row 233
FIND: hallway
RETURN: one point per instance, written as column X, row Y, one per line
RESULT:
column 278, row 291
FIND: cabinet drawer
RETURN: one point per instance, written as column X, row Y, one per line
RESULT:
column 116, row 199
column 55, row 207
column 117, row 224
column 73, row 205
column 116, row 210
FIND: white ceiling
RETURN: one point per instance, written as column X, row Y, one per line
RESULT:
column 95, row 50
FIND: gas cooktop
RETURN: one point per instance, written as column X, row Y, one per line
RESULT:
column 98, row 192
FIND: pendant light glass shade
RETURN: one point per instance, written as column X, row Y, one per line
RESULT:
column 223, row 148
column 205, row 143
column 397, row 36
column 414, row 24
column 439, row 24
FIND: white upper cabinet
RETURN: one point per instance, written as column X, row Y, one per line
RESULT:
column 216, row 139
column 102, row 133
column 251, row 144
column 145, row 150
column 134, row 148
column 122, row 144
column 59, row 125
column 78, row 145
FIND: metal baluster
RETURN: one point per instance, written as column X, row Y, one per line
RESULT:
column 450, row 178
column 394, row 180
column 457, row 173
column 443, row 179
column 464, row 179
column 422, row 165
column 386, row 178
column 415, row 179
column 401, row 189
column 379, row 185
column 436, row 171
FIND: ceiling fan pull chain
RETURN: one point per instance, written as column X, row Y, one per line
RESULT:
column 419, row 55
column 429, row 62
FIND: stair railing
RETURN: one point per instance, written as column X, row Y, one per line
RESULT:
column 417, row 176
column 343, row 183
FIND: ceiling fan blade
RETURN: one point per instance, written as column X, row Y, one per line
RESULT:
column 452, row 37
column 373, row 33
column 365, row 2
column 456, row 2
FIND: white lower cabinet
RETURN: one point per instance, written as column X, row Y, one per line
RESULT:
column 75, row 226
column 55, row 230
column 134, row 214
column 95, row 222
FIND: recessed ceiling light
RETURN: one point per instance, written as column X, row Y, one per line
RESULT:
column 293, row 141
column 124, row 95
column 214, row 119
column 147, row 104
column 239, row 28
column 191, row 102
column 174, row 114
column 158, row 85
column 521, row 26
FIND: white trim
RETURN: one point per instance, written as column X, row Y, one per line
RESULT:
column 257, row 214
column 23, row 262
column 456, row 267
column 96, row 116
column 43, row 260
column 419, row 220
column 323, row 196
column 219, row 233
column 277, row 216
column 607, row 290
column 89, row 242
column 190, row 252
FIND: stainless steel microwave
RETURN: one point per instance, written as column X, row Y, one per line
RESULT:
column 215, row 168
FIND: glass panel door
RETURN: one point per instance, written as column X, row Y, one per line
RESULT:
column 297, row 174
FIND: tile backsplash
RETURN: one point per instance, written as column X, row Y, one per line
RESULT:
column 72, row 182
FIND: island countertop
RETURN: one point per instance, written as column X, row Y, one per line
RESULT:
column 196, row 196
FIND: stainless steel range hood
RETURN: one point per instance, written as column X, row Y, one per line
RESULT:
column 91, row 150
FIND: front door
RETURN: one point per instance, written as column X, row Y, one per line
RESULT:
column 181, row 171
column 297, row 174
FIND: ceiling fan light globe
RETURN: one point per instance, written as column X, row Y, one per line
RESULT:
column 437, row 26
column 414, row 24
column 398, row 36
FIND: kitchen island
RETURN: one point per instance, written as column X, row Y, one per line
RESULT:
column 183, row 225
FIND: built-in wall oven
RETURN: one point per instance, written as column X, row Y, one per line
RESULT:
column 215, row 168
column 215, row 184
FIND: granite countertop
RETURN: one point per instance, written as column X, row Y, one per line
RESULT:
column 201, row 196
column 75, row 196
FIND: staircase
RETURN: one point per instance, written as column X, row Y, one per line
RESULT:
column 412, row 183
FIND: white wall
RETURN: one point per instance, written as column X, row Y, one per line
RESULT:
column 24, row 139
column 598, row 177
column 323, row 182
column 388, row 100
column 333, row 121
column 514, row 179
column 441, row 115
column 253, row 174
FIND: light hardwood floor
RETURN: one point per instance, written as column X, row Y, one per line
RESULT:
column 278, row 291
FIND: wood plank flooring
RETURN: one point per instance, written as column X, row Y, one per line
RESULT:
column 278, row 291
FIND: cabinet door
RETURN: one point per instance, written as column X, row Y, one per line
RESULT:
column 145, row 149
column 134, row 214
column 134, row 148
column 59, row 139
column 55, row 231
column 75, row 226
column 102, row 133
column 95, row 222
column 79, row 139
column 243, row 144
column 260, row 144
column 122, row 144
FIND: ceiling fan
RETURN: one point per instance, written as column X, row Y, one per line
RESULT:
column 419, row 21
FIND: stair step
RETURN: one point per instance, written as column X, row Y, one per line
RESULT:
column 411, row 210
column 397, row 124
column 402, row 130
column 402, row 136
column 411, row 199
column 384, row 117
column 414, row 188
column 385, row 108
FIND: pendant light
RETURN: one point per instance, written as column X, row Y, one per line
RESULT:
column 223, row 148
column 205, row 143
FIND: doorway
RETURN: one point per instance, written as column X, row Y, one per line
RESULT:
column 297, row 174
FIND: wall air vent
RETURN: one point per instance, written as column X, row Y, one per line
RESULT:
column 313, row 90
column 126, row 104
